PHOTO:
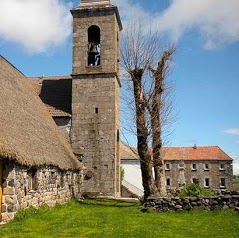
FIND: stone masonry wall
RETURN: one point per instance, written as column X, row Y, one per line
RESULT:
column 94, row 132
column 192, row 203
column 24, row 187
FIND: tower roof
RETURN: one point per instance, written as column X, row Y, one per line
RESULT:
column 84, row 3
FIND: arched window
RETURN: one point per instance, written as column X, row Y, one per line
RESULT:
column 93, row 46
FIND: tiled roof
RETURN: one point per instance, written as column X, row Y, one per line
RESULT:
column 55, row 92
column 127, row 152
column 185, row 153
column 195, row 153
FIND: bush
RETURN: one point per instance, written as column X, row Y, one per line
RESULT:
column 122, row 173
column 194, row 190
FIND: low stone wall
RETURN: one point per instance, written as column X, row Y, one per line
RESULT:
column 189, row 203
column 24, row 187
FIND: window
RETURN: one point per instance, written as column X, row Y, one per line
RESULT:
column 94, row 46
column 222, row 167
column 195, row 180
column 33, row 179
column 118, row 135
column 194, row 167
column 167, row 166
column 168, row 182
column 206, row 166
column 206, row 182
column 222, row 182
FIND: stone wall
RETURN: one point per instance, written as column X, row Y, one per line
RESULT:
column 24, row 187
column 192, row 203
column 94, row 132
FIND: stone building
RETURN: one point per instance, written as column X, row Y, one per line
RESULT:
column 209, row 166
column 37, row 164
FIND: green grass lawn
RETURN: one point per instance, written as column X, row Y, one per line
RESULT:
column 114, row 219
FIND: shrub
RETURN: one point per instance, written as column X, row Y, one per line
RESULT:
column 195, row 190
column 122, row 173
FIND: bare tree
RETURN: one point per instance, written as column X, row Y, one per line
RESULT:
column 147, row 66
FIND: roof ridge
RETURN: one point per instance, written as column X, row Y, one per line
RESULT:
column 197, row 146
column 49, row 76
column 12, row 65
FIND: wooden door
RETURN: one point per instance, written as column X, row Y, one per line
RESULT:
column 1, row 170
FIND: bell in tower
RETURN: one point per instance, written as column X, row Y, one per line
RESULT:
column 96, row 95
column 93, row 46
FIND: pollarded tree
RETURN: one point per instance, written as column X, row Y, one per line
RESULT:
column 146, row 65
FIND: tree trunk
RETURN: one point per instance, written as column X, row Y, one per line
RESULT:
column 155, row 112
column 142, row 135
column 157, row 139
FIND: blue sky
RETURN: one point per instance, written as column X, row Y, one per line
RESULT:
column 206, row 66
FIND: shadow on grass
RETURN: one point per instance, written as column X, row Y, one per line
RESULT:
column 108, row 202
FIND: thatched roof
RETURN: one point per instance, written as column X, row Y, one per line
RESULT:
column 28, row 133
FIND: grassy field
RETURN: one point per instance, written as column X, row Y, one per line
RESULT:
column 114, row 219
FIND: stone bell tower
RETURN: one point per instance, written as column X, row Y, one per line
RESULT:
column 96, row 95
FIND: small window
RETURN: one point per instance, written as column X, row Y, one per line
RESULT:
column 194, row 167
column 206, row 182
column 168, row 182
column 206, row 166
column 118, row 135
column 222, row 182
column 62, row 182
column 96, row 110
column 222, row 167
column 195, row 180
column 33, row 179
column 167, row 166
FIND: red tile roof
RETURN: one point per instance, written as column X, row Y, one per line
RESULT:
column 55, row 92
column 194, row 153
column 187, row 153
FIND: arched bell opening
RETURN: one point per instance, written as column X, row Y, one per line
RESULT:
column 93, row 46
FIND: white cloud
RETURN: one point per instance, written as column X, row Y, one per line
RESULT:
column 35, row 25
column 216, row 20
column 131, row 12
column 232, row 131
column 41, row 24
